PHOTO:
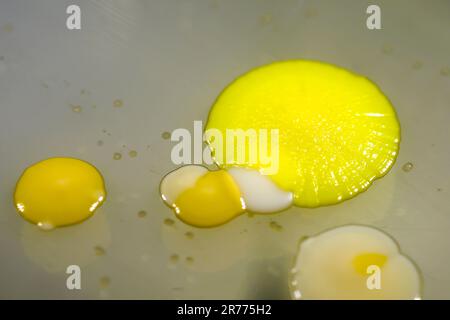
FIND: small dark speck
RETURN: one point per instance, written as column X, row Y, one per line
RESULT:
column 189, row 235
column 105, row 282
column 275, row 226
column 174, row 258
column 142, row 214
column 99, row 251
column 169, row 222
column 189, row 260
column 439, row 189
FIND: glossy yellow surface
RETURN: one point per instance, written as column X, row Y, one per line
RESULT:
column 213, row 200
column 58, row 192
column 362, row 261
column 338, row 132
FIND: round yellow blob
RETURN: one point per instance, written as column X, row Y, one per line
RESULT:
column 58, row 192
column 337, row 130
column 200, row 197
column 214, row 200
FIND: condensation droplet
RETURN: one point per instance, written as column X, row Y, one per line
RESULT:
column 133, row 154
column 189, row 260
column 407, row 167
column 275, row 226
column 174, row 258
column 445, row 71
column 99, row 251
column 169, row 222
column 417, row 65
column 142, row 214
column 118, row 103
column 105, row 282
column 76, row 109
column 166, row 135
column 117, row 156
column 189, row 235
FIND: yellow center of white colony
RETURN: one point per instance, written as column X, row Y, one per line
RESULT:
column 353, row 262
column 206, row 198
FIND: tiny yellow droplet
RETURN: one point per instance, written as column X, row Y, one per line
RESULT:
column 166, row 135
column 133, row 154
column 76, row 109
column 118, row 103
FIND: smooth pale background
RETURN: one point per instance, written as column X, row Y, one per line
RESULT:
column 167, row 61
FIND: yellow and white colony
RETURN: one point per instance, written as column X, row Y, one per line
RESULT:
column 337, row 133
column 337, row 130
column 206, row 198
column 341, row 264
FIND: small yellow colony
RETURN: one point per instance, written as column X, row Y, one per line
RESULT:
column 353, row 262
column 58, row 192
column 206, row 198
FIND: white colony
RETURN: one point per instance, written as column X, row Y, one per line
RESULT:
column 325, row 267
